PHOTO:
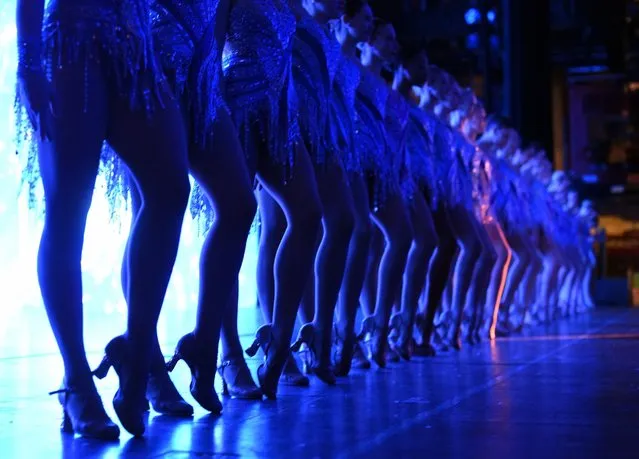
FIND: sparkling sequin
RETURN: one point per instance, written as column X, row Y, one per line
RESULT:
column 444, row 160
column 342, row 114
column 396, row 160
column 315, row 60
column 481, row 180
column 183, row 32
column 370, row 135
column 114, row 33
column 184, row 37
column 420, row 146
column 257, row 70
column 459, row 182
column 510, row 200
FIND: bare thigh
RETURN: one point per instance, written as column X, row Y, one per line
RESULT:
column 298, row 195
column 153, row 146
column 69, row 163
column 222, row 170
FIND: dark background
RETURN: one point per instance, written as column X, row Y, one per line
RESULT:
column 566, row 72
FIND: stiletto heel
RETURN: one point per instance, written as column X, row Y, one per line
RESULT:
column 399, row 339
column 371, row 336
column 368, row 328
column 342, row 354
column 173, row 361
column 83, row 414
column 395, row 326
column 67, row 426
column 308, row 336
column 253, row 348
column 202, row 373
column 263, row 338
column 161, row 392
column 360, row 362
column 292, row 376
column 103, row 369
column 268, row 374
column 129, row 401
column 240, row 385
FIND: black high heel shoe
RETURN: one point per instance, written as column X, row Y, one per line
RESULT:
column 343, row 352
column 360, row 362
column 161, row 391
column 292, row 376
column 83, row 414
column 373, row 339
column 269, row 372
column 308, row 336
column 202, row 373
column 237, row 381
column 425, row 349
column 129, row 401
column 400, row 340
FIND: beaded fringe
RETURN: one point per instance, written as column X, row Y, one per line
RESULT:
column 131, row 70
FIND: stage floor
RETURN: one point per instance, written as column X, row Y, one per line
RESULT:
column 568, row 391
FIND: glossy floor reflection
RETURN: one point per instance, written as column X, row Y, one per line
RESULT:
column 568, row 391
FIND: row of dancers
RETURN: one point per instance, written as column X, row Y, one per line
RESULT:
column 397, row 197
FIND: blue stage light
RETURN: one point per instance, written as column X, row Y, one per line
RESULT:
column 472, row 41
column 472, row 16
column 491, row 16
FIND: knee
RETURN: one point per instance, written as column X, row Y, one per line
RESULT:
column 424, row 244
column 470, row 246
column 520, row 256
column 272, row 229
column 400, row 239
column 503, row 254
column 64, row 224
column 362, row 233
column 65, row 216
column 66, row 206
column 307, row 218
column 170, row 195
column 446, row 244
column 237, row 213
column 340, row 225
column 490, row 255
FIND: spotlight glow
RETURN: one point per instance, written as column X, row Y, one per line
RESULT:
column 20, row 230
column 472, row 16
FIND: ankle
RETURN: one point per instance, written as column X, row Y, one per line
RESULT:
column 233, row 357
column 79, row 377
column 80, row 382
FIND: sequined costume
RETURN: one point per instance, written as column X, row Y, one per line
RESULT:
column 483, row 189
column 316, row 55
column 257, row 71
column 184, row 37
column 510, row 197
column 541, row 211
column 551, row 225
column 114, row 33
column 370, row 134
column 342, row 114
column 420, row 145
column 459, row 182
column 183, row 32
column 396, row 160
